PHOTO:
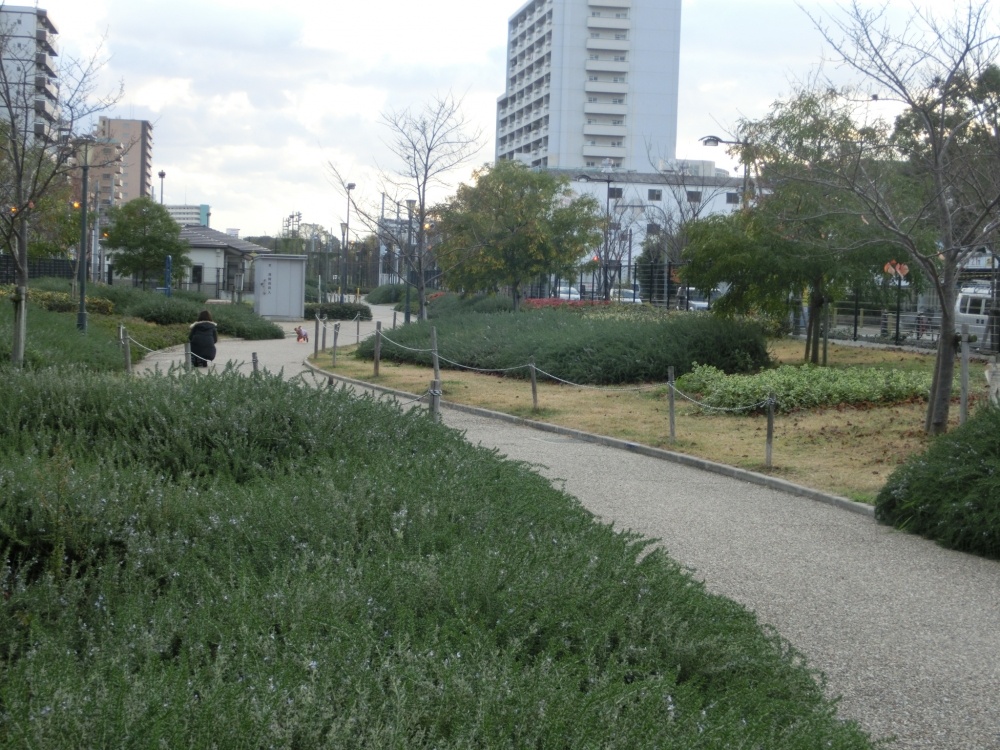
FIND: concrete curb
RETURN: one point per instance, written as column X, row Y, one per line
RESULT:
column 664, row 455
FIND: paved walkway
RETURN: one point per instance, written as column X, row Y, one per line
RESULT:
column 906, row 632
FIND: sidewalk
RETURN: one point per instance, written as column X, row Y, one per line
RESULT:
column 908, row 633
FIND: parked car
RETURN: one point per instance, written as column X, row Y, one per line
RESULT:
column 565, row 291
column 628, row 296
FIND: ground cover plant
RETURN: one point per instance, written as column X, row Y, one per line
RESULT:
column 343, row 574
column 951, row 492
column 805, row 387
column 599, row 349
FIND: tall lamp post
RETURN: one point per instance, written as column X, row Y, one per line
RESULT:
column 161, row 175
column 81, row 316
column 343, row 263
column 346, row 228
column 714, row 141
column 410, row 204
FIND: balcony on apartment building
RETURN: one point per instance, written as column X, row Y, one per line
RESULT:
column 607, row 66
column 46, row 41
column 46, row 87
column 597, row 23
column 605, row 87
column 604, row 129
column 45, row 63
column 46, row 109
column 609, row 3
column 604, row 152
column 608, row 45
column 604, row 108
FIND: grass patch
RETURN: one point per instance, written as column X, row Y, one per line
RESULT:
column 344, row 574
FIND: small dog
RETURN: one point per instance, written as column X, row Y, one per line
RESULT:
column 301, row 335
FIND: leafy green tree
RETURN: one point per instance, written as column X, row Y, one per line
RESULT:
column 931, row 181
column 512, row 225
column 141, row 235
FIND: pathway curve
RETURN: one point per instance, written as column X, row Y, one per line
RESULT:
column 906, row 632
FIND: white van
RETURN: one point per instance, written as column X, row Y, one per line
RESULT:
column 973, row 307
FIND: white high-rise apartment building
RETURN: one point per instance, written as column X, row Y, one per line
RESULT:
column 28, row 49
column 591, row 84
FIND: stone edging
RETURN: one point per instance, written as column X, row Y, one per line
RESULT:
column 644, row 450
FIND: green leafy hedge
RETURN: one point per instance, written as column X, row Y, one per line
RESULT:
column 598, row 349
column 805, row 386
column 338, row 310
column 387, row 294
column 236, row 562
column 61, row 301
column 951, row 492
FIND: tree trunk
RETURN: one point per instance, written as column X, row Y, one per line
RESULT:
column 20, row 298
column 939, row 398
column 815, row 325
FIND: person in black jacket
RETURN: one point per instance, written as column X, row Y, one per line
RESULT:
column 203, row 337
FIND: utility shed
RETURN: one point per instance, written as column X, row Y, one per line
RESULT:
column 281, row 287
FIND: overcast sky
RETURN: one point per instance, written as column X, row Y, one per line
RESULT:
column 251, row 99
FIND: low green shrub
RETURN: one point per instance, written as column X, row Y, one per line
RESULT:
column 951, row 492
column 387, row 294
column 338, row 310
column 804, row 386
column 164, row 310
column 443, row 305
column 240, row 321
column 227, row 562
column 58, row 301
column 588, row 349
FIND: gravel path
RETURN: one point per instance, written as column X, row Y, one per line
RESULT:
column 906, row 632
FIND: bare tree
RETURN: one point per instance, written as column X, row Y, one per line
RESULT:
column 929, row 181
column 429, row 143
column 41, row 113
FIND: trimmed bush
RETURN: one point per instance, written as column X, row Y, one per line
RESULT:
column 240, row 562
column 387, row 294
column 951, row 492
column 53, row 339
column 338, row 310
column 598, row 349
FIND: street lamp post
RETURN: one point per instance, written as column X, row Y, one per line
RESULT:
column 714, row 141
column 343, row 263
column 81, row 316
column 346, row 226
column 161, row 175
column 410, row 204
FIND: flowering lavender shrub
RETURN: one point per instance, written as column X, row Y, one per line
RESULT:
column 240, row 562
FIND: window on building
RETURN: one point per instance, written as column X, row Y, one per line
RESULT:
column 621, row 35
column 593, row 78
column 617, row 122
column 595, row 57
column 655, row 195
column 652, row 228
column 618, row 100
column 732, row 198
column 694, row 196
column 614, row 192
column 590, row 164
column 619, row 58
column 595, row 35
column 197, row 274
column 619, row 79
column 592, row 100
column 621, row 15
column 617, row 144
column 595, row 13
